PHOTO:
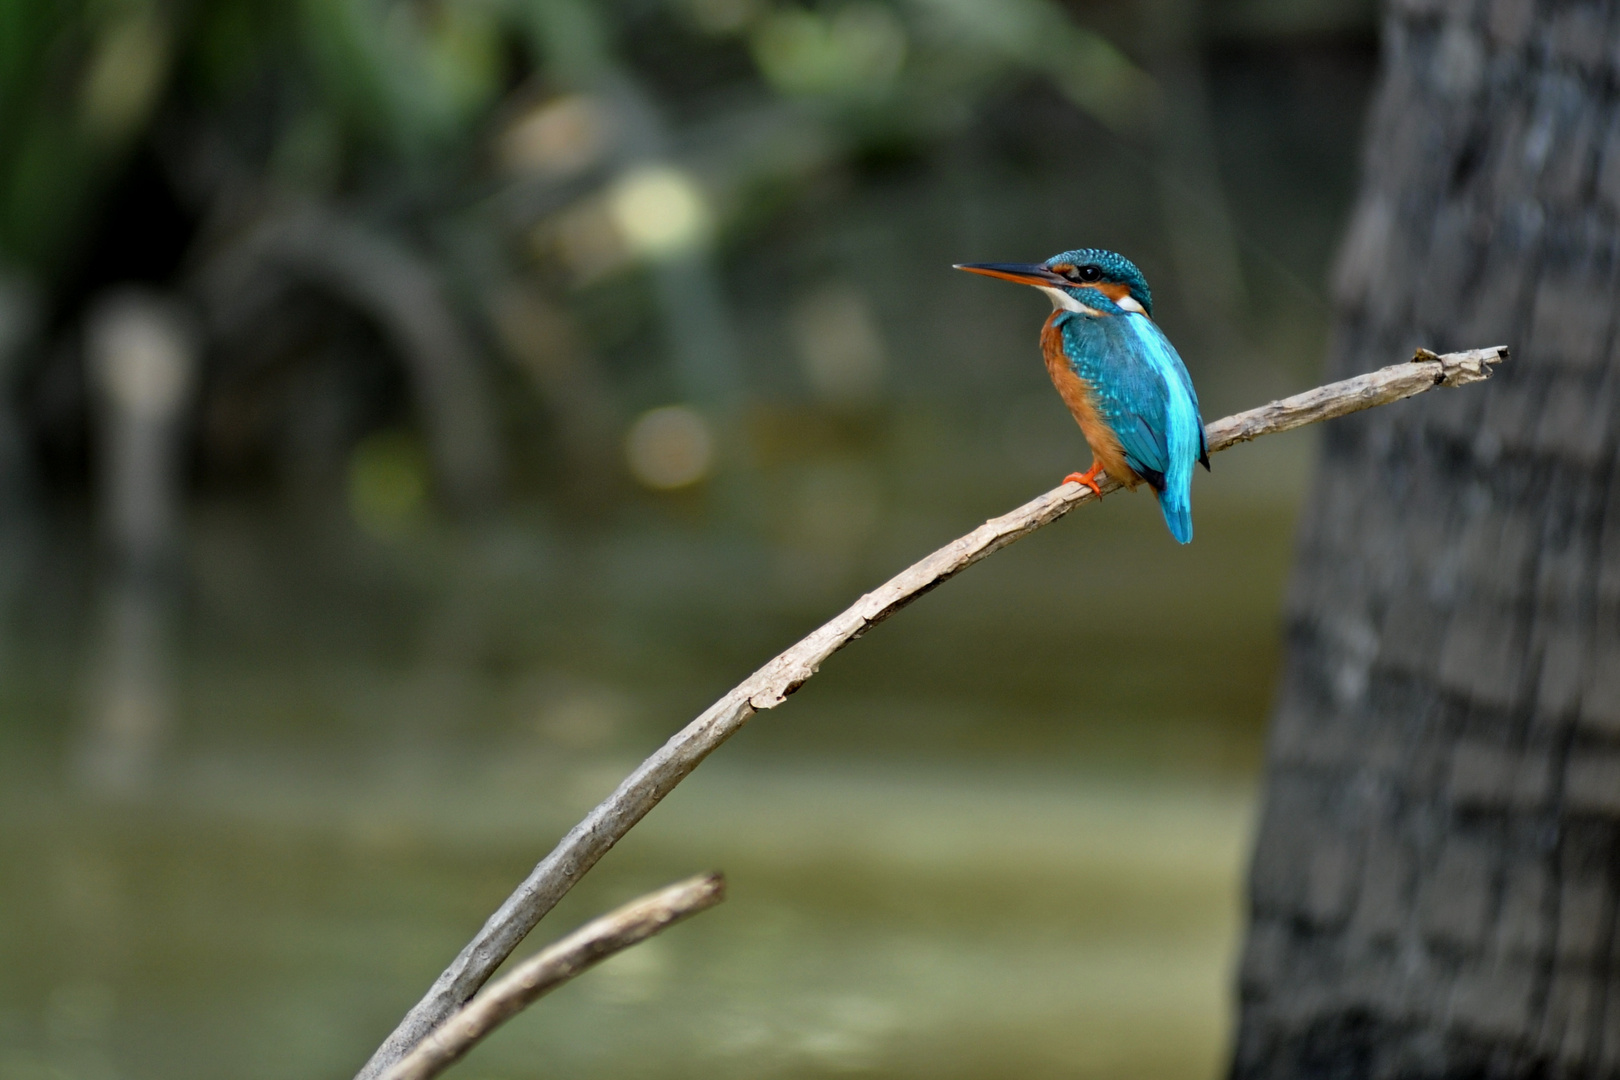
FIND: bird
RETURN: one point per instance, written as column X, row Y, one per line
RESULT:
column 1118, row 374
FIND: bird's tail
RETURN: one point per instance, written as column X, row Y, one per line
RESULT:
column 1175, row 501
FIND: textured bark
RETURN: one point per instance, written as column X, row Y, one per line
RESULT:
column 1435, row 884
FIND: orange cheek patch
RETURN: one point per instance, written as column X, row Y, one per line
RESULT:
column 1113, row 290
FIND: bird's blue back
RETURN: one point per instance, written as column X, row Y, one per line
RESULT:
column 1144, row 392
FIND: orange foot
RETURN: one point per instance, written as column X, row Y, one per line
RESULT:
column 1087, row 479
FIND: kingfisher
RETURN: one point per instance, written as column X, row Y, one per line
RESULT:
column 1118, row 374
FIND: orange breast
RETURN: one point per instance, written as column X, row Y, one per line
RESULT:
column 1082, row 402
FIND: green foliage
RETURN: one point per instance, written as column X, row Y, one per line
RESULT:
column 398, row 91
column 78, row 82
column 81, row 81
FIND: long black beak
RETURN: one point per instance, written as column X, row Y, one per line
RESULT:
column 1023, row 273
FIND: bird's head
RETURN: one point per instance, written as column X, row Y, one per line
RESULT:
column 1086, row 279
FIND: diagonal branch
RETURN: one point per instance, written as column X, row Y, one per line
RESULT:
column 552, row 966
column 768, row 687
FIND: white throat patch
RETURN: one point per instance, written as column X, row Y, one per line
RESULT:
column 1062, row 301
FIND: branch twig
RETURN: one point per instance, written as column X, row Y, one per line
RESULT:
column 552, row 966
column 770, row 685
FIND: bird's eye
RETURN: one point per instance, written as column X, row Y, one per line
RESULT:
column 1087, row 273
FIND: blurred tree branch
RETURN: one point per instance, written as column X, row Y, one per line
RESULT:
column 406, row 296
column 554, row 965
column 768, row 687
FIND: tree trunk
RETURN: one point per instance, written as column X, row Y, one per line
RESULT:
column 1435, row 884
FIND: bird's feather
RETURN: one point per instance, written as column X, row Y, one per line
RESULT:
column 1143, row 391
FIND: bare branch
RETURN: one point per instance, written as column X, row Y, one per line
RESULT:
column 552, row 966
column 1380, row 387
column 770, row 685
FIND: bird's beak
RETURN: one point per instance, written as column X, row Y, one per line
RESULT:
column 1023, row 273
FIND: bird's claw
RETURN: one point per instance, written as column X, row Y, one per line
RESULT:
column 1086, row 479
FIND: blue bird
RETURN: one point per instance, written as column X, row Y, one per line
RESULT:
column 1118, row 374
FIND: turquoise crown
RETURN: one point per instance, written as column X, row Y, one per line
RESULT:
column 1116, row 269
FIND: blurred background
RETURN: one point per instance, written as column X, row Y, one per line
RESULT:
column 413, row 412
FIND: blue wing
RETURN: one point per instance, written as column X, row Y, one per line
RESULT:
column 1145, row 393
